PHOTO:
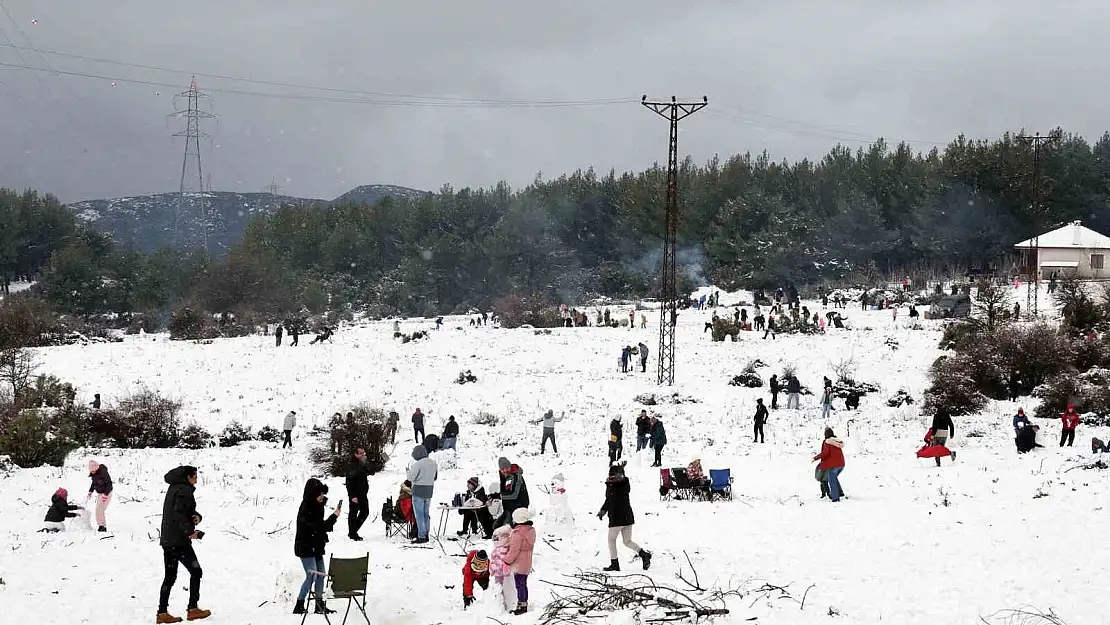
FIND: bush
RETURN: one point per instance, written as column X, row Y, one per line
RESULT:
column 269, row 434
column 17, row 366
column 953, row 388
column 515, row 310
column 1036, row 352
column 27, row 436
column 1089, row 392
column 466, row 377
column 959, row 336
column 487, row 418
column 191, row 325
column 47, row 391
column 1079, row 313
column 194, row 437
column 723, row 327
column 144, row 419
column 749, row 379
column 365, row 428
column 235, row 433
column 27, row 322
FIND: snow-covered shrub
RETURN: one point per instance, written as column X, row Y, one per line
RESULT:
column 189, row 324
column 724, row 328
column 194, row 437
column 28, row 437
column 235, row 433
column 749, row 379
column 899, row 399
column 515, row 310
column 143, row 419
column 466, row 377
column 1090, row 354
column 27, row 322
column 269, row 434
column 1089, row 392
column 486, row 418
column 365, row 428
column 1078, row 311
column 953, row 389
column 1036, row 352
column 47, row 391
column 959, row 336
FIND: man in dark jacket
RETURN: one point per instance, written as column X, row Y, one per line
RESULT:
column 616, row 439
column 658, row 440
column 793, row 392
column 621, row 519
column 513, row 492
column 309, row 542
column 418, row 426
column 643, row 349
column 450, row 432
column 358, row 489
column 643, row 430
column 760, row 419
column 775, row 388
column 179, row 530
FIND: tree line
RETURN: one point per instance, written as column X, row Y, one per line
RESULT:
column 747, row 222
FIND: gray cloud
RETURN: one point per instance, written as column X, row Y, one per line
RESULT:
column 791, row 77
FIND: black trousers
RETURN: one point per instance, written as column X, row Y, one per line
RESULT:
column 615, row 451
column 759, row 437
column 358, row 514
column 418, row 434
column 658, row 456
column 1067, row 435
column 774, row 401
column 171, row 556
column 548, row 435
column 472, row 519
column 288, row 442
column 643, row 365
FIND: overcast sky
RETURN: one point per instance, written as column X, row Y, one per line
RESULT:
column 789, row 76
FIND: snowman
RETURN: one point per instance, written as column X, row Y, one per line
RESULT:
column 558, row 512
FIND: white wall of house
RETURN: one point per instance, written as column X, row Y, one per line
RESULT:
column 1091, row 263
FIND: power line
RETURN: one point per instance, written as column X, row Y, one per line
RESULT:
column 813, row 130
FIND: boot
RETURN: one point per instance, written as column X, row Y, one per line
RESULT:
column 102, row 529
column 322, row 607
column 196, row 614
column 298, row 608
column 614, row 565
column 824, row 489
column 521, row 608
column 166, row 617
column 645, row 556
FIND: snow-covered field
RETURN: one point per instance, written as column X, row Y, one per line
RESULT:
column 1015, row 531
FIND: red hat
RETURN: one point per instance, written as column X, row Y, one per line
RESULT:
column 1071, row 407
column 63, row 493
column 1021, row 411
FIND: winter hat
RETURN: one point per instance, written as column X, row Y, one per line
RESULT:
column 480, row 562
column 521, row 516
column 472, row 482
column 93, row 466
column 1021, row 411
column 503, row 463
column 1071, row 407
column 63, row 493
column 549, row 413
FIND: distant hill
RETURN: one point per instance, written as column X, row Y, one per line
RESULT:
column 147, row 221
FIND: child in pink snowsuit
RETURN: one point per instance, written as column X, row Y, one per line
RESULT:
column 498, row 570
column 102, row 487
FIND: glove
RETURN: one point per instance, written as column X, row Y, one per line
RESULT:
column 467, row 601
column 601, row 515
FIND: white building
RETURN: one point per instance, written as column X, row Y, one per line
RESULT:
column 1072, row 249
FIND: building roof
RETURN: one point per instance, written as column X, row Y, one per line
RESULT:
column 1072, row 236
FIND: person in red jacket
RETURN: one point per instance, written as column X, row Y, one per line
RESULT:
column 832, row 461
column 1070, row 420
column 476, row 569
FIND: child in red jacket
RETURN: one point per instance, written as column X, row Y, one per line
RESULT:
column 832, row 461
column 476, row 569
column 1070, row 420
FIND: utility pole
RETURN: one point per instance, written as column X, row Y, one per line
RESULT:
column 674, row 112
column 1032, row 292
column 273, row 188
column 192, row 133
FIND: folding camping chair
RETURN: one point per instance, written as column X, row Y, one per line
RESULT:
column 720, row 482
column 682, row 485
column 347, row 578
column 666, row 485
column 395, row 523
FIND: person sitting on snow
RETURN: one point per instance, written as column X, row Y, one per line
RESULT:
column 60, row 510
column 476, row 569
column 1027, row 439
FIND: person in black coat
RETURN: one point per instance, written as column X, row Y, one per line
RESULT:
column 658, row 440
column 60, row 510
column 643, row 430
column 310, row 539
column 616, row 439
column 179, row 529
column 450, row 432
column 760, row 419
column 475, row 517
column 358, row 489
column 775, row 388
column 621, row 518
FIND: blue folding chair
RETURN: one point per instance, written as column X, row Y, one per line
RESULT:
column 720, row 482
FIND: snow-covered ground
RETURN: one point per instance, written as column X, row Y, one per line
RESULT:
column 1015, row 531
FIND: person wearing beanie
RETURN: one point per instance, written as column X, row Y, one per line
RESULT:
column 499, row 571
column 422, row 473
column 522, row 541
column 1070, row 420
column 101, row 485
column 621, row 519
column 179, row 529
column 474, row 510
column 60, row 510
column 476, row 569
column 310, row 540
column 1020, row 421
column 513, row 492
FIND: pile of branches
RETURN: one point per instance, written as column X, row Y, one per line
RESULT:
column 466, row 377
column 587, row 595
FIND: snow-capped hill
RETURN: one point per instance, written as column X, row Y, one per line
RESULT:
column 374, row 193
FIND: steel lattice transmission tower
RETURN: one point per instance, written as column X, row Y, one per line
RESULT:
column 192, row 114
column 674, row 112
column 1032, row 292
